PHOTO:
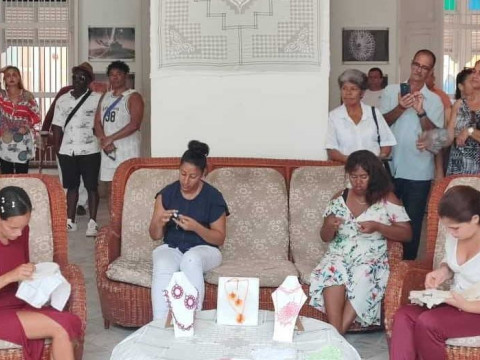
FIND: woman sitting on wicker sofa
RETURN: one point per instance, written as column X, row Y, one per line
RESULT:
column 350, row 281
column 20, row 323
column 190, row 215
column 420, row 333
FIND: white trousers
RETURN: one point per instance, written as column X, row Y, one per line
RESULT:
column 194, row 263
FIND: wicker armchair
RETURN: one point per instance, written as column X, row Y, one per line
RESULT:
column 49, row 242
column 410, row 275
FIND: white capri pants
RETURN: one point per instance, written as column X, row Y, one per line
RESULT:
column 194, row 263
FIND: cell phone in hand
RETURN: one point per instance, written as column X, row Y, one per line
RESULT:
column 405, row 89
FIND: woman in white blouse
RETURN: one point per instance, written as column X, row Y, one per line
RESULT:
column 352, row 125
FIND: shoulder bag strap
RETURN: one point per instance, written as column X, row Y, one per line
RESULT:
column 376, row 124
column 80, row 103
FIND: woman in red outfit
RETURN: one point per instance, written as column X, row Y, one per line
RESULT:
column 20, row 323
column 20, row 114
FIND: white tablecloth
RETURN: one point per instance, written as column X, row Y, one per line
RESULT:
column 222, row 342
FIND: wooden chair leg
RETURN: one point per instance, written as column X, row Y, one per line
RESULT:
column 106, row 324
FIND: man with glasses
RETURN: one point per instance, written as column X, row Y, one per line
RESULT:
column 76, row 146
column 410, row 115
column 117, row 122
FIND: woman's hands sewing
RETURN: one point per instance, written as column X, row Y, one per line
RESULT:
column 437, row 277
column 368, row 227
column 187, row 223
column 21, row 272
column 334, row 221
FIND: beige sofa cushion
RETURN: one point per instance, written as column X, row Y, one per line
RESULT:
column 270, row 273
column 138, row 202
column 137, row 272
column 257, row 238
column 257, row 227
column 4, row 345
column 473, row 341
column 311, row 188
column 41, row 239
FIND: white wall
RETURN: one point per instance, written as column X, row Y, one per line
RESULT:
column 364, row 13
column 276, row 115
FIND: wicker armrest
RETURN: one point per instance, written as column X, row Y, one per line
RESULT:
column 107, row 249
column 395, row 252
column 404, row 277
column 77, row 303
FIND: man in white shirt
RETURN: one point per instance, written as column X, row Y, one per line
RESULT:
column 76, row 145
column 408, row 116
column 374, row 92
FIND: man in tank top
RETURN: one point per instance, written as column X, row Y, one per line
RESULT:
column 117, row 122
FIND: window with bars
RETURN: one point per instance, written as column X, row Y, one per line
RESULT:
column 461, row 39
column 36, row 36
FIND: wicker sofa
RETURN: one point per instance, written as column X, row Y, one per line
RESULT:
column 273, row 231
column 410, row 275
column 48, row 242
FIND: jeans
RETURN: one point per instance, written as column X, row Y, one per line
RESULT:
column 414, row 195
column 193, row 263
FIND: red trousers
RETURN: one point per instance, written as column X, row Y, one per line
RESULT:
column 420, row 333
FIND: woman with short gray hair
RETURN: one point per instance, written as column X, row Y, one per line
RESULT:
column 354, row 125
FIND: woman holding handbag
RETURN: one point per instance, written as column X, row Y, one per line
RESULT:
column 19, row 112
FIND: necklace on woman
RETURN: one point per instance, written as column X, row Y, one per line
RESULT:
column 361, row 202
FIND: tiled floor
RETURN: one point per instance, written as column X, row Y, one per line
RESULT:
column 100, row 342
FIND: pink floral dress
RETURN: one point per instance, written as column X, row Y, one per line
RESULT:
column 357, row 260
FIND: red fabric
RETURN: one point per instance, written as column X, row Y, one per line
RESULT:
column 24, row 113
column 420, row 333
column 11, row 256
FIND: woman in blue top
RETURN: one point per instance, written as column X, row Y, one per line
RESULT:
column 190, row 216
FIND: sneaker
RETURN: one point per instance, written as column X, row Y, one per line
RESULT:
column 81, row 210
column 71, row 226
column 92, row 228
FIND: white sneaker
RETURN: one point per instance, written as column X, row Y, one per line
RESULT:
column 71, row 226
column 92, row 228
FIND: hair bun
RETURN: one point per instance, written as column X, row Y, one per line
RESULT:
column 198, row 147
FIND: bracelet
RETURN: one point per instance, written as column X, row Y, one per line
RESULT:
column 421, row 115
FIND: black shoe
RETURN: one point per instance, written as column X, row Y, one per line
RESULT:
column 81, row 210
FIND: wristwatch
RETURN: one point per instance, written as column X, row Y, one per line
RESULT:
column 421, row 115
column 470, row 130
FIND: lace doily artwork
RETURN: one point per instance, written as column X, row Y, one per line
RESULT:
column 182, row 299
column 237, row 302
column 434, row 140
column 361, row 44
column 288, row 300
column 260, row 35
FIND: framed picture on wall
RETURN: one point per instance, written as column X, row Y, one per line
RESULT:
column 365, row 45
column 111, row 43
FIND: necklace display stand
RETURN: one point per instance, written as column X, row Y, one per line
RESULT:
column 288, row 300
column 182, row 299
column 237, row 302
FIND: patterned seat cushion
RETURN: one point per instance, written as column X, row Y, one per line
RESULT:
column 4, row 345
column 311, row 188
column 41, row 239
column 137, row 272
column 270, row 273
column 473, row 341
column 257, row 227
column 138, row 202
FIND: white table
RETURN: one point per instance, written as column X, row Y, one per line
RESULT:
column 222, row 342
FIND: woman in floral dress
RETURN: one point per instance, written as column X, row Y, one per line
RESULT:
column 350, row 280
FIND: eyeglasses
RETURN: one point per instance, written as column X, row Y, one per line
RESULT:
column 112, row 155
column 416, row 65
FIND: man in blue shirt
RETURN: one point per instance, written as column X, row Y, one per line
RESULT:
column 409, row 116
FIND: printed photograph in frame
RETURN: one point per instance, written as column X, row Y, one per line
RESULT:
column 365, row 45
column 111, row 43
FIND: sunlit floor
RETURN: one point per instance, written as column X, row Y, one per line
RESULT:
column 100, row 342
